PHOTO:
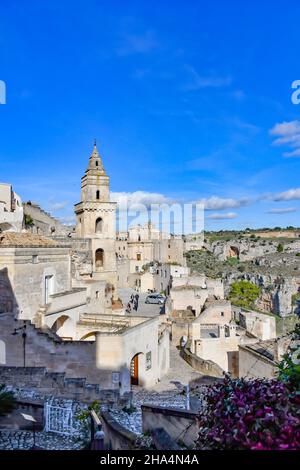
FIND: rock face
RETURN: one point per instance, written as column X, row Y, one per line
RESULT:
column 248, row 249
column 258, row 261
column 276, row 293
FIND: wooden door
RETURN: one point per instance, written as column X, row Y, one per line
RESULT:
column 134, row 370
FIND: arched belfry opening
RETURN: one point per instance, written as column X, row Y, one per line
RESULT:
column 99, row 258
column 99, row 225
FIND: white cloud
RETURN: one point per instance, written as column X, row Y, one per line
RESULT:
column 228, row 215
column 217, row 203
column 58, row 206
column 68, row 220
column 140, row 197
column 287, row 134
column 289, row 195
column 282, row 210
column 197, row 81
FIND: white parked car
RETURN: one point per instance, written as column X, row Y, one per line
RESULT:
column 155, row 299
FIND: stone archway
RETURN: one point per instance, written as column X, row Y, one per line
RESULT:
column 64, row 326
column 91, row 336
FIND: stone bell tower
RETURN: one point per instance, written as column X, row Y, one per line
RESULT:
column 96, row 219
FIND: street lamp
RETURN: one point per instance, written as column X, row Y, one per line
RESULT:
column 24, row 336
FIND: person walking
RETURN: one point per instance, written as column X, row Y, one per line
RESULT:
column 128, row 308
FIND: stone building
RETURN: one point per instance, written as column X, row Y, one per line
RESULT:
column 96, row 219
column 191, row 292
column 216, row 342
column 261, row 358
column 11, row 210
column 142, row 247
column 260, row 325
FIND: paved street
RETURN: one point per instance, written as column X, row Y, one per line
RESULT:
column 147, row 310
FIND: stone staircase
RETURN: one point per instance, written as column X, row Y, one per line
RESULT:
column 35, row 381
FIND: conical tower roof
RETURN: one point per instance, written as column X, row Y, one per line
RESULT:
column 95, row 162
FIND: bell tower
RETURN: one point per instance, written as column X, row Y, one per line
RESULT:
column 96, row 218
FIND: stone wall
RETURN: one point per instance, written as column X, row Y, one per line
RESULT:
column 205, row 367
column 43, row 222
column 181, row 425
column 116, row 437
column 39, row 380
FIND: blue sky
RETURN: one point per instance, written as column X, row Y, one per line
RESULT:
column 188, row 101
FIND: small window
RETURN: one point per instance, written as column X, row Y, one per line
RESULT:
column 35, row 259
column 99, row 225
column 222, row 314
column 97, row 294
column 138, row 256
column 148, row 360
column 97, row 194
column 96, row 163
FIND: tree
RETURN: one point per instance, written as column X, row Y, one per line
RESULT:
column 280, row 247
column 7, row 401
column 243, row 293
column 28, row 220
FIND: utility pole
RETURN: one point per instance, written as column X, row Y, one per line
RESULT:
column 24, row 336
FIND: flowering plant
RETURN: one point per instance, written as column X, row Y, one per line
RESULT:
column 256, row 414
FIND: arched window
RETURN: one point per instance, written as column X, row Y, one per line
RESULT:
column 99, row 258
column 97, row 194
column 99, row 225
column 96, row 163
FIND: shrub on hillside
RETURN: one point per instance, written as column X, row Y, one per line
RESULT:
column 243, row 293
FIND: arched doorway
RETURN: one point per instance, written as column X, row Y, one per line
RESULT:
column 134, row 369
column 99, row 258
